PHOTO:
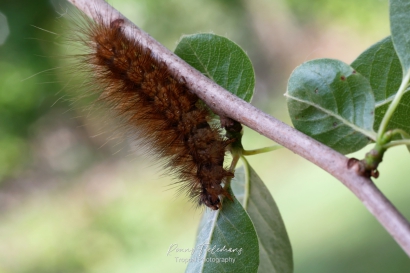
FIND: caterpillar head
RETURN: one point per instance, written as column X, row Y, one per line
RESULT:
column 210, row 200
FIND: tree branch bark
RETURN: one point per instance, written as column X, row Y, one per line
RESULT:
column 226, row 104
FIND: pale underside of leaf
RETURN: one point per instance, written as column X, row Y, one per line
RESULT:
column 329, row 101
column 356, row 128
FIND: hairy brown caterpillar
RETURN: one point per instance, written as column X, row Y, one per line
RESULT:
column 169, row 118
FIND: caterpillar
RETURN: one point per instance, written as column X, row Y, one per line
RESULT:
column 168, row 117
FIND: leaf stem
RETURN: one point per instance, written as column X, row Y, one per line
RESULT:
column 234, row 162
column 247, row 183
column 261, row 150
column 397, row 143
column 393, row 106
column 401, row 132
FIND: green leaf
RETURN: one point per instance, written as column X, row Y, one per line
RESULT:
column 221, row 60
column 400, row 31
column 275, row 251
column 332, row 103
column 229, row 230
column 381, row 66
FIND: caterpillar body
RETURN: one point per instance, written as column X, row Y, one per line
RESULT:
column 168, row 116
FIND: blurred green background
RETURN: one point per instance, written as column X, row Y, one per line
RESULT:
column 71, row 201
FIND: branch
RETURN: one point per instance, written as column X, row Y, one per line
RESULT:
column 226, row 104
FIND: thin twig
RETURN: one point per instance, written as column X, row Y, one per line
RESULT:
column 226, row 104
column 393, row 105
column 261, row 150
